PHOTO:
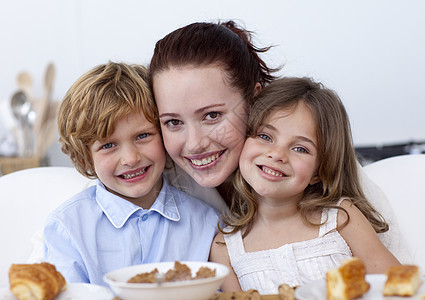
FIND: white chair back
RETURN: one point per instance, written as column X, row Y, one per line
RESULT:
column 26, row 198
column 402, row 178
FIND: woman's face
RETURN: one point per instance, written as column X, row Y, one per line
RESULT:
column 203, row 121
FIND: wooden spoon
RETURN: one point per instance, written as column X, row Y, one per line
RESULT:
column 45, row 102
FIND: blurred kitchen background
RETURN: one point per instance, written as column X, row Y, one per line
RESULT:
column 371, row 52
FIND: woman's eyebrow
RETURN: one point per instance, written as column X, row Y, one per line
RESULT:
column 199, row 110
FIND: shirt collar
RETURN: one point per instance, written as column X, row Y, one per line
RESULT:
column 119, row 210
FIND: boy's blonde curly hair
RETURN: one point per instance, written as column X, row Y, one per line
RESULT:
column 95, row 102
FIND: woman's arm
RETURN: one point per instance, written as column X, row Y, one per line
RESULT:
column 363, row 240
column 219, row 254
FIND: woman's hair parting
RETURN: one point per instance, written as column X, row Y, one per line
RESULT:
column 224, row 44
column 337, row 167
column 95, row 102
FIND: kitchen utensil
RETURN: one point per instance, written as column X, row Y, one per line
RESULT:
column 44, row 104
column 25, row 83
column 21, row 107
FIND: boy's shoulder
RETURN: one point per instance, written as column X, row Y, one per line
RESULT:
column 76, row 203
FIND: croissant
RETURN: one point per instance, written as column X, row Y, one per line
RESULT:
column 35, row 281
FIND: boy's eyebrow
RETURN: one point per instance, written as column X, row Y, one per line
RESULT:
column 199, row 110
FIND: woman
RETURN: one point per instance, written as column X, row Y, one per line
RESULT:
column 204, row 78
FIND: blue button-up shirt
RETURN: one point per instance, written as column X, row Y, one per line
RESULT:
column 96, row 232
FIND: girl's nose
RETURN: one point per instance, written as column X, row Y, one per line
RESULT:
column 278, row 154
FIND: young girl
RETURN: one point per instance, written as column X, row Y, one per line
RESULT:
column 299, row 209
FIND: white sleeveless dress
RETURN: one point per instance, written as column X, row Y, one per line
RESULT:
column 294, row 264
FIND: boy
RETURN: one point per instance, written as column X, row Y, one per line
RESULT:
column 108, row 126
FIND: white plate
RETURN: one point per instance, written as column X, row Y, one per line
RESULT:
column 316, row 290
column 179, row 290
column 74, row 291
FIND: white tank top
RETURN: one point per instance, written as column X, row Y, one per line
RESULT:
column 294, row 264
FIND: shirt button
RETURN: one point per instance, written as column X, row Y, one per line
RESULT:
column 144, row 217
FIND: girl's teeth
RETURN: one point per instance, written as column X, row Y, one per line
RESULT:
column 204, row 161
column 128, row 176
column 272, row 172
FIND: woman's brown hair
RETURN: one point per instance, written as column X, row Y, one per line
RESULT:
column 224, row 44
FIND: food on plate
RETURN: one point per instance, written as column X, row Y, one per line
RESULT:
column 403, row 280
column 39, row 281
column 148, row 277
column 285, row 292
column 204, row 272
column 180, row 272
column 347, row 281
column 239, row 295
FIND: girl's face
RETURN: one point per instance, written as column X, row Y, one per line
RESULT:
column 130, row 162
column 281, row 160
column 203, row 121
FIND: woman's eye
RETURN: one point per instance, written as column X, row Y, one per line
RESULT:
column 301, row 149
column 172, row 123
column 212, row 115
column 264, row 137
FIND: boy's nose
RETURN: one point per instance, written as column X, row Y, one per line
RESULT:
column 130, row 155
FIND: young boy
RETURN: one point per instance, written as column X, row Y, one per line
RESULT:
column 108, row 126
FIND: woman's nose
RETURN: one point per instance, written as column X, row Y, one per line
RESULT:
column 197, row 140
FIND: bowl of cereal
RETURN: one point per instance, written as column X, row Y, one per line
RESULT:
column 187, row 280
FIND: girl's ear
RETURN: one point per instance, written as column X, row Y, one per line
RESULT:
column 257, row 89
column 315, row 179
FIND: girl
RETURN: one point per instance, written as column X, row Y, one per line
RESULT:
column 299, row 209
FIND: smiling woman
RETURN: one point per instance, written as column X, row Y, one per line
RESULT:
column 204, row 78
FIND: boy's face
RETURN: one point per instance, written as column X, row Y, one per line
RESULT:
column 130, row 162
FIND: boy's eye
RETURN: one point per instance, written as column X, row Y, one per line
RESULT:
column 264, row 137
column 108, row 146
column 142, row 136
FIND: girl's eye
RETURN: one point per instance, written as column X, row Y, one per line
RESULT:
column 142, row 136
column 265, row 137
column 108, row 146
column 300, row 149
column 212, row 115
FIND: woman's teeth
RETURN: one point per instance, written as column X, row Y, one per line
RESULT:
column 132, row 175
column 272, row 172
column 205, row 161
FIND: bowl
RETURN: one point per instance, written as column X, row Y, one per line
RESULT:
column 196, row 289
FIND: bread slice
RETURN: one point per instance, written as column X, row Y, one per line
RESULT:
column 347, row 281
column 35, row 281
column 402, row 280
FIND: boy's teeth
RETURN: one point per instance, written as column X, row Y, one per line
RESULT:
column 204, row 161
column 272, row 172
column 128, row 176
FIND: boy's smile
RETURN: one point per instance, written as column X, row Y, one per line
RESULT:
column 130, row 162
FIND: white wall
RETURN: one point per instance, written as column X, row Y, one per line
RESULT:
column 372, row 52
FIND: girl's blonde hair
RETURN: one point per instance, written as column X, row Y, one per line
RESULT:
column 95, row 102
column 337, row 167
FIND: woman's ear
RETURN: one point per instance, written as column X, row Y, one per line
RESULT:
column 257, row 89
